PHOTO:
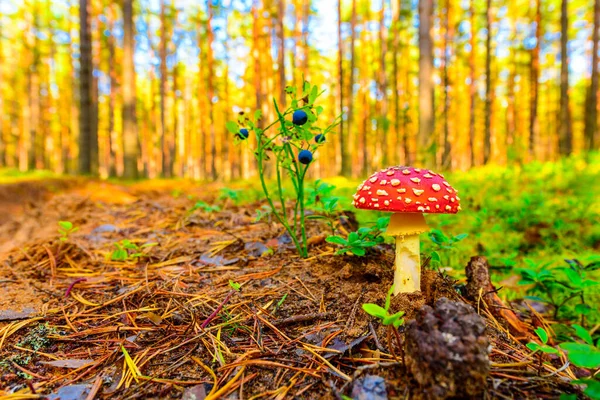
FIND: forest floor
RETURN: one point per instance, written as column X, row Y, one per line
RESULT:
column 75, row 324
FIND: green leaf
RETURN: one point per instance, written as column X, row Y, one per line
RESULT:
column 549, row 350
column 593, row 387
column 542, row 334
column 336, row 240
column 234, row 285
column 232, row 127
column 119, row 255
column 460, row 237
column 574, row 277
column 583, row 334
column 374, row 310
column 582, row 355
column 257, row 115
column 313, row 94
column 66, row 225
column 398, row 323
column 583, row 309
column 352, row 237
column 358, row 251
column 435, row 256
column 533, row 346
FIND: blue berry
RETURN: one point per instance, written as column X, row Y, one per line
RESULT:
column 299, row 117
column 243, row 134
column 305, row 156
column 320, row 138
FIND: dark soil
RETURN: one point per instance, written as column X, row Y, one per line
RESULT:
column 133, row 329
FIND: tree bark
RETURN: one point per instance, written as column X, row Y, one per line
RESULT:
column 345, row 162
column 591, row 111
column 534, row 126
column 472, row 83
column 565, row 145
column 129, row 135
column 489, row 90
column 162, row 55
column 350, row 87
column 88, row 136
column 448, row 39
column 211, row 90
column 425, row 152
column 281, row 52
column 382, row 80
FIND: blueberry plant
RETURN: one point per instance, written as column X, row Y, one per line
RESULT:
column 288, row 145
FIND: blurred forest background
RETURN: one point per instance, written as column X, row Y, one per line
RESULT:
column 143, row 88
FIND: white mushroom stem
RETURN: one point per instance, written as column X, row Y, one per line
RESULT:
column 407, row 227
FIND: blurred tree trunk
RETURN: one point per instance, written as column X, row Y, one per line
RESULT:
column 162, row 89
column 305, row 46
column 346, row 167
column 129, row 134
column 350, row 87
column 448, row 40
column 112, row 97
column 3, row 139
column 591, row 109
column 34, row 95
column 472, row 82
column 512, row 153
column 281, row 51
column 489, row 90
column 88, row 136
column 211, row 89
column 383, row 140
column 534, row 125
column 425, row 152
column 565, row 143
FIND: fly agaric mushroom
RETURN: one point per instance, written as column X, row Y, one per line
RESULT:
column 408, row 193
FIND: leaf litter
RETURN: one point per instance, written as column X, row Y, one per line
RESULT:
column 133, row 328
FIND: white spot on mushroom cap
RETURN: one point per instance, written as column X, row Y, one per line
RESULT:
column 390, row 172
column 373, row 179
column 387, row 202
column 362, row 200
column 436, row 187
column 415, row 180
column 418, row 192
column 422, row 209
column 428, row 176
column 407, row 200
column 448, row 208
column 383, row 182
column 376, row 205
column 406, row 172
column 433, row 199
column 381, row 192
column 395, row 182
column 417, row 170
column 401, row 190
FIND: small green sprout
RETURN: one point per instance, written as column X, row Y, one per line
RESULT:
column 544, row 347
column 235, row 286
column 126, row 250
column 65, row 228
column 358, row 242
column 383, row 314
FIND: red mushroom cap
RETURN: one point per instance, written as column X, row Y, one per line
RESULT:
column 407, row 189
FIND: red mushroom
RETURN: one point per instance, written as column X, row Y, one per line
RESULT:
column 409, row 193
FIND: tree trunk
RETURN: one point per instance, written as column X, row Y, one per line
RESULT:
column 129, row 135
column 350, row 87
column 425, row 152
column 211, row 90
column 162, row 89
column 472, row 83
column 534, row 126
column 382, row 78
column 565, row 145
column 591, row 111
column 489, row 95
column 281, row 53
column 88, row 137
column 448, row 39
column 112, row 99
column 345, row 162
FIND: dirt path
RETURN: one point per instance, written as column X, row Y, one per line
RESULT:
column 149, row 325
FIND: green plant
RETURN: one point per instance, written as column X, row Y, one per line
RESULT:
column 562, row 285
column 358, row 242
column 442, row 242
column 126, row 250
column 541, row 348
column 204, row 206
column 232, row 194
column 281, row 150
column 383, row 313
column 65, row 228
column 585, row 355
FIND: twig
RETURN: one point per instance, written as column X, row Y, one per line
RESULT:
column 219, row 308
column 302, row 318
column 76, row 281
